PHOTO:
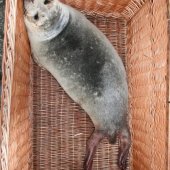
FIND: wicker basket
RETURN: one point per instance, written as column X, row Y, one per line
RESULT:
column 43, row 129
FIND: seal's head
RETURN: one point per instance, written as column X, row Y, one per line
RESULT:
column 45, row 17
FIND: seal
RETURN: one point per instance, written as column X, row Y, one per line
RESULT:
column 86, row 65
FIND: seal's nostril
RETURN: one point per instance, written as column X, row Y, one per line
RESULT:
column 36, row 16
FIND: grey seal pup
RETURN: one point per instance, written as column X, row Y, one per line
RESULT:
column 86, row 65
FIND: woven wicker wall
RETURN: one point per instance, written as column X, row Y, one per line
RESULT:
column 147, row 73
column 99, row 6
column 169, row 84
column 61, row 128
column 16, row 129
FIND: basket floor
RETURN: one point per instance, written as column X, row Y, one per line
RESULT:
column 60, row 127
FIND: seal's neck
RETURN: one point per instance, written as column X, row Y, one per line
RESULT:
column 61, row 21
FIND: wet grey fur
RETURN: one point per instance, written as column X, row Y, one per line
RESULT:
column 89, row 69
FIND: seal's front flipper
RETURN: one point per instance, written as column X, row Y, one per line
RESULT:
column 92, row 144
column 124, row 146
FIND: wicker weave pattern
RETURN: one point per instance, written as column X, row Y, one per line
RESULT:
column 8, row 65
column 147, row 68
column 16, row 144
column 168, row 84
column 98, row 6
column 125, row 8
column 60, row 127
column 132, row 8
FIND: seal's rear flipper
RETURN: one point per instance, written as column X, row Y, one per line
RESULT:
column 92, row 144
column 124, row 146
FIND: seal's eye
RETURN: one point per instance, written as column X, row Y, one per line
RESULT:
column 47, row 2
column 36, row 16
